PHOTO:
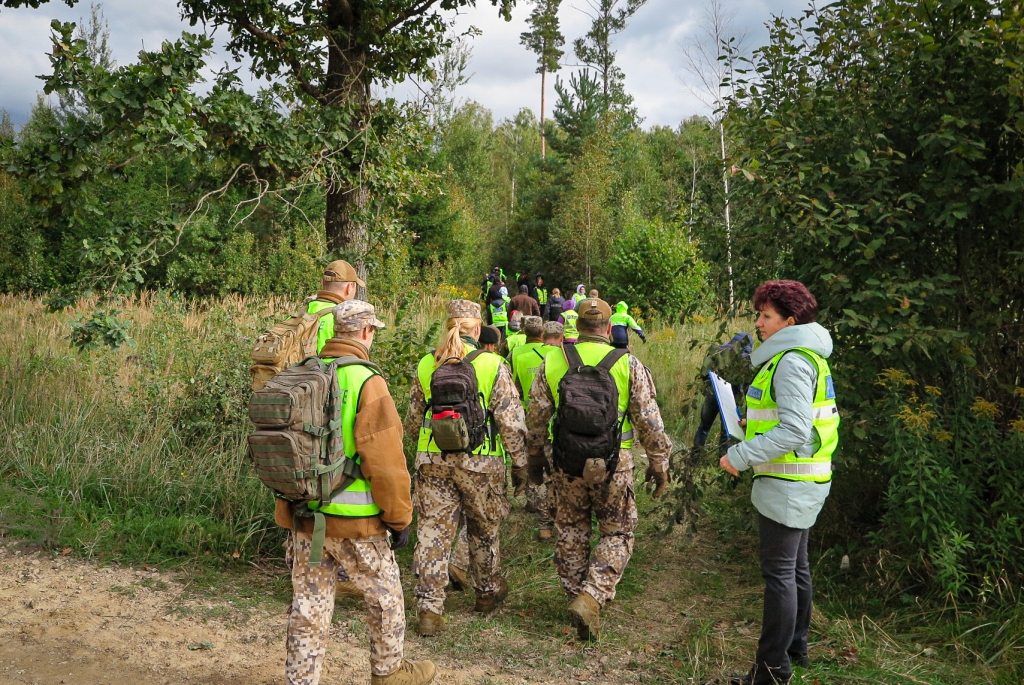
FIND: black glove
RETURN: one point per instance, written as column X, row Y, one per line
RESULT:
column 399, row 538
column 642, row 336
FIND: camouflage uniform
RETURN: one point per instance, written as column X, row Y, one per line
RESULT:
column 369, row 565
column 460, row 553
column 614, row 502
column 469, row 485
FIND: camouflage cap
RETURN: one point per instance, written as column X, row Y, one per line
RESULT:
column 533, row 325
column 594, row 308
column 355, row 315
column 553, row 328
column 340, row 271
column 463, row 309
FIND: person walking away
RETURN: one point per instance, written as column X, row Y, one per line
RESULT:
column 555, row 303
column 499, row 310
column 593, row 294
column 792, row 430
column 460, row 464
column 515, row 337
column 540, row 293
column 338, row 285
column 358, row 518
column 524, row 303
column 568, row 320
column 622, row 323
column 731, row 362
column 592, row 460
column 526, row 359
column 579, row 295
column 458, row 562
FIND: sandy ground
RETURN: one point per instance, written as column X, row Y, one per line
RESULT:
column 67, row 621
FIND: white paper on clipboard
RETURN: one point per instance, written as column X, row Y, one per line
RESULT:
column 727, row 406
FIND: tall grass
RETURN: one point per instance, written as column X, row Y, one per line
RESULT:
column 139, row 453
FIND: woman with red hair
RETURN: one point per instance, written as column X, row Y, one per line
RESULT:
column 792, row 429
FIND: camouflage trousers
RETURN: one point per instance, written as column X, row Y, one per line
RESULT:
column 538, row 497
column 614, row 504
column 369, row 565
column 460, row 553
column 443, row 493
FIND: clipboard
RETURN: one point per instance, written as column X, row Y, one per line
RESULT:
column 727, row 407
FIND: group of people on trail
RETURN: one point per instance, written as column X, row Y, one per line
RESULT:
column 533, row 299
column 562, row 415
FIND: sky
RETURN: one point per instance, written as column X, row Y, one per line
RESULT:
column 504, row 77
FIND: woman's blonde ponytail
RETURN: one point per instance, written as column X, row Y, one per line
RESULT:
column 451, row 342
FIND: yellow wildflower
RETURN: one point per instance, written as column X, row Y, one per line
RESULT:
column 916, row 421
column 932, row 390
column 983, row 407
column 1017, row 425
column 1018, row 392
column 895, row 378
column 943, row 436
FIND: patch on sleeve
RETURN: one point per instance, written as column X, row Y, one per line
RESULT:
column 830, row 388
column 755, row 393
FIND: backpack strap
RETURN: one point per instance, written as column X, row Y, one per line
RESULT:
column 572, row 356
column 324, row 312
column 611, row 358
column 352, row 360
column 471, row 356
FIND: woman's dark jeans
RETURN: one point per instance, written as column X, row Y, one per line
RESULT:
column 787, row 602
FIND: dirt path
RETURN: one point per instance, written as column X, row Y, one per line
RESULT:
column 66, row 621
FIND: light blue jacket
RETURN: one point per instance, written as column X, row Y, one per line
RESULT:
column 791, row 503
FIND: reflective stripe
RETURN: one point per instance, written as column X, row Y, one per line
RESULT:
column 824, row 412
column 821, row 468
column 628, row 435
column 762, row 414
column 352, row 497
column 817, row 414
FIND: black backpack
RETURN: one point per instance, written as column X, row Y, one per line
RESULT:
column 587, row 424
column 459, row 421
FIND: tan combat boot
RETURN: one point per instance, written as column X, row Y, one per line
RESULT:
column 487, row 602
column 544, row 534
column 430, row 624
column 457, row 578
column 585, row 613
column 409, row 673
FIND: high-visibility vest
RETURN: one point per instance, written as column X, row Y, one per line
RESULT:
column 763, row 415
column 499, row 314
column 556, row 365
column 542, row 295
column 514, row 340
column 577, row 298
column 355, row 500
column 326, row 330
column 569, row 327
column 486, row 366
column 526, row 360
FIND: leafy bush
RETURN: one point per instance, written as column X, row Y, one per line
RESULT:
column 655, row 268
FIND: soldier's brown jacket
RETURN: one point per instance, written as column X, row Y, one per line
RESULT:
column 378, row 435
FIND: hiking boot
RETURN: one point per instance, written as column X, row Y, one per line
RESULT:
column 544, row 534
column 585, row 613
column 457, row 578
column 530, row 507
column 430, row 624
column 487, row 602
column 409, row 673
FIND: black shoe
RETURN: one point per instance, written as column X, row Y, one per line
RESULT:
column 740, row 679
column 800, row 660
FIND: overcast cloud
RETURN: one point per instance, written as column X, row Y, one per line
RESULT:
column 504, row 78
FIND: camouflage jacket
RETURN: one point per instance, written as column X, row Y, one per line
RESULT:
column 508, row 414
column 642, row 410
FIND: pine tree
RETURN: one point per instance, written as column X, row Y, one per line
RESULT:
column 545, row 39
column 594, row 49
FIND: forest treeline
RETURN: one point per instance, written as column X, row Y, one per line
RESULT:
column 872, row 149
